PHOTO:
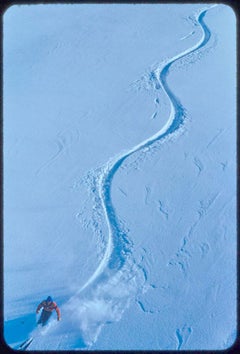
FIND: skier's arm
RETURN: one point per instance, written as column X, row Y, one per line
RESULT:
column 39, row 307
column 58, row 313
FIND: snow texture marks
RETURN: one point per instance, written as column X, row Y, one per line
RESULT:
column 215, row 137
column 199, row 165
column 187, row 36
column 63, row 141
column 60, row 148
column 119, row 277
column 163, row 210
column 182, row 335
column 182, row 256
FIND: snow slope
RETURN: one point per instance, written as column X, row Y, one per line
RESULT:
column 124, row 203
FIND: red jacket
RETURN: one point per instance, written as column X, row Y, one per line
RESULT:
column 51, row 307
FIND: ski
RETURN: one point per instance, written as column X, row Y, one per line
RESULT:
column 25, row 344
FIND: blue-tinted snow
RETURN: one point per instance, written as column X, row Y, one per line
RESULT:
column 119, row 193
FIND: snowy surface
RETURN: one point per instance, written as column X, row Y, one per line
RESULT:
column 120, row 175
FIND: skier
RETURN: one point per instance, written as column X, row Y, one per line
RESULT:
column 48, row 306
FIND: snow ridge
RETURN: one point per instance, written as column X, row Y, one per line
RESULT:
column 119, row 277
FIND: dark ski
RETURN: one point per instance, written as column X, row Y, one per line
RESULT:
column 25, row 344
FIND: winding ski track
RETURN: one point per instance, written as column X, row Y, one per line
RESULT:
column 118, row 244
column 117, row 265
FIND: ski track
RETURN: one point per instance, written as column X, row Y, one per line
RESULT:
column 175, row 121
column 119, row 277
